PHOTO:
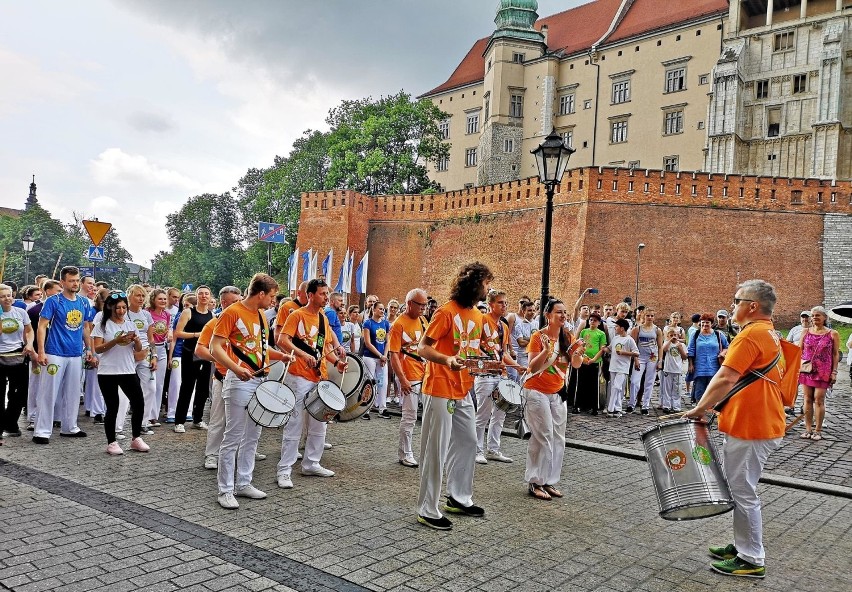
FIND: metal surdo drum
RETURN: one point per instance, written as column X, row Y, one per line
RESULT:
column 271, row 404
column 276, row 371
column 357, row 385
column 325, row 401
column 687, row 476
column 507, row 395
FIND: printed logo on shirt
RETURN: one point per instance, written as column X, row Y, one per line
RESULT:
column 52, row 369
column 409, row 343
column 73, row 320
column 381, row 335
column 466, row 338
column 160, row 328
column 8, row 326
column 140, row 324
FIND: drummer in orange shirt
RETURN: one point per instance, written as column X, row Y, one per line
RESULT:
column 312, row 345
column 287, row 307
column 409, row 367
column 448, row 432
column 754, row 421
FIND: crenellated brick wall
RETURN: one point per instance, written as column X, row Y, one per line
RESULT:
column 703, row 233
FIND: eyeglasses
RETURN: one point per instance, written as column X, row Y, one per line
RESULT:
column 738, row 300
column 117, row 295
column 415, row 303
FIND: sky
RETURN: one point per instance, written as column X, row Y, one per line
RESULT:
column 123, row 109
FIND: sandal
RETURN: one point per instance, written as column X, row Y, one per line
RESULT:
column 805, row 436
column 551, row 490
column 538, row 492
column 816, row 436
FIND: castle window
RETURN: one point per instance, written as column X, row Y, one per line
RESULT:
column 618, row 131
column 633, row 164
column 704, row 79
column 566, row 104
column 676, row 79
column 470, row 157
column 444, row 129
column 568, row 138
column 796, row 196
column 761, row 89
column 516, row 106
column 621, row 91
column 800, row 83
column 473, row 123
column 487, row 106
column 773, row 122
column 587, row 104
column 671, row 163
column 508, row 145
column 517, row 58
column 443, row 163
column 784, row 41
column 673, row 122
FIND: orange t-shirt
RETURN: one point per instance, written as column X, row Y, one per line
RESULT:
column 305, row 325
column 207, row 336
column 552, row 378
column 756, row 412
column 405, row 334
column 491, row 344
column 283, row 312
column 456, row 332
column 247, row 331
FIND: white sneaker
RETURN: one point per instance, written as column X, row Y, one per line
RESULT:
column 285, row 482
column 326, row 446
column 498, row 456
column 250, row 491
column 481, row 460
column 259, row 456
column 317, row 471
column 298, row 456
column 146, row 431
column 211, row 462
column 200, row 425
column 228, row 501
column 120, row 436
column 179, row 429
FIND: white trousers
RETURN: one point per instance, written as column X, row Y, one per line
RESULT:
column 148, row 382
column 547, row 416
column 160, row 378
column 487, row 413
column 380, row 373
column 670, row 390
column 744, row 462
column 93, row 400
column 239, row 443
column 446, row 439
column 174, row 390
column 315, row 438
column 216, row 426
column 617, row 384
column 406, row 424
column 32, row 394
column 650, row 370
column 59, row 384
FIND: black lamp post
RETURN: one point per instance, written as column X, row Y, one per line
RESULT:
column 551, row 158
column 638, row 255
column 27, row 242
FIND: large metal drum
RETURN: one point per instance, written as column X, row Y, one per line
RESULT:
column 271, row 404
column 325, row 401
column 357, row 384
column 685, row 470
column 506, row 395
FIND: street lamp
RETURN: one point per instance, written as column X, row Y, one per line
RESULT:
column 27, row 242
column 551, row 158
column 638, row 255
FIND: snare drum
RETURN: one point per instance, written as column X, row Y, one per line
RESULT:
column 325, row 401
column 507, row 395
column 355, row 377
column 687, row 477
column 276, row 371
column 271, row 404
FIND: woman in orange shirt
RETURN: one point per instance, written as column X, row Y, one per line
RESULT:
column 546, row 411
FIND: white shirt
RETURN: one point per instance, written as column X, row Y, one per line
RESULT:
column 119, row 358
column 13, row 324
column 619, row 364
column 142, row 320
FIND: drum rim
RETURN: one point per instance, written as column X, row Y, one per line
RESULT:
column 278, row 387
column 337, row 388
column 670, row 422
column 359, row 360
column 729, row 506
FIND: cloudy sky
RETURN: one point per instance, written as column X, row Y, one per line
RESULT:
column 125, row 108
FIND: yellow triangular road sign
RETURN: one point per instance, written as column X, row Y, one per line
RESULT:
column 97, row 230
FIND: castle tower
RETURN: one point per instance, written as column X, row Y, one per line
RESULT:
column 512, row 44
column 31, row 199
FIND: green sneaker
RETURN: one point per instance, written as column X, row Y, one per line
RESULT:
column 737, row 567
column 726, row 552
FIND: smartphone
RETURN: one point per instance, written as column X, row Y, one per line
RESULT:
column 593, row 291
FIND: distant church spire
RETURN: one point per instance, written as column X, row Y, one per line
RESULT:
column 32, row 200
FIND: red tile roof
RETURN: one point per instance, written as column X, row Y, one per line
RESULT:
column 577, row 29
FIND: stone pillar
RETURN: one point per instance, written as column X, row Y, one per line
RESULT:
column 803, row 11
column 770, row 8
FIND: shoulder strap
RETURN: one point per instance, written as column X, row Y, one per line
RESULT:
column 746, row 380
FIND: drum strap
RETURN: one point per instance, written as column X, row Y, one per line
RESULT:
column 746, row 380
column 408, row 353
column 263, row 337
column 317, row 351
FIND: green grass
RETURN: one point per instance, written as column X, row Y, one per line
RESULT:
column 843, row 329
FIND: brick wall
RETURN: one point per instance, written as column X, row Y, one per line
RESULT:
column 703, row 233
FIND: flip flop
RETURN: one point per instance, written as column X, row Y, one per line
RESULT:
column 551, row 491
column 816, row 436
column 805, row 436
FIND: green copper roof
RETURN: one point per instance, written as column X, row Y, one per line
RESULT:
column 515, row 18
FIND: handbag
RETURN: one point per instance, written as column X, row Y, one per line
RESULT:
column 807, row 367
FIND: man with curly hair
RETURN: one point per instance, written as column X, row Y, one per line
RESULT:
column 448, row 433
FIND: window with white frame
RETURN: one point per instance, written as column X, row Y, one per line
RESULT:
column 618, row 131
column 470, row 157
column 673, row 122
column 566, row 104
column 568, row 138
column 443, row 163
column 473, row 123
column 704, row 79
column 444, row 129
column 518, row 58
column 516, row 106
column 671, row 163
column 621, row 91
column 508, row 145
column 676, row 79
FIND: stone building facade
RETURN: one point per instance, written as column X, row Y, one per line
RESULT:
column 703, row 233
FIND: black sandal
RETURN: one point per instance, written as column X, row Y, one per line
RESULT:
column 538, row 492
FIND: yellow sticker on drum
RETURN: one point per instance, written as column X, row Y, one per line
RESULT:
column 676, row 459
column 702, row 455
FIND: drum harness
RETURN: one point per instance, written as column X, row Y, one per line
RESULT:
column 411, row 355
column 317, row 352
column 243, row 357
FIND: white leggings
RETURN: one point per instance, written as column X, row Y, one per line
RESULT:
column 380, row 373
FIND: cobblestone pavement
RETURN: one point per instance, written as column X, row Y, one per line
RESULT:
column 77, row 519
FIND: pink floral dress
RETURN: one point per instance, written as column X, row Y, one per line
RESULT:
column 819, row 349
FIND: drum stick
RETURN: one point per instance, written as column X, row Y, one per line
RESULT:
column 794, row 422
column 259, row 371
column 672, row 415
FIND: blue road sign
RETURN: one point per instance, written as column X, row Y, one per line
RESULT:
column 95, row 253
column 87, row 271
column 187, row 288
column 271, row 232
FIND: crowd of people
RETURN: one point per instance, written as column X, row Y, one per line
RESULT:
column 161, row 354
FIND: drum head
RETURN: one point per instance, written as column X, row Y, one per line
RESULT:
column 276, row 371
column 354, row 376
column 275, row 397
column 355, row 407
column 510, row 391
column 330, row 394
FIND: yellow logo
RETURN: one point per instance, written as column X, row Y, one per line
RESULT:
column 73, row 319
column 140, row 324
column 381, row 334
column 52, row 369
column 37, row 370
column 8, row 326
column 175, row 364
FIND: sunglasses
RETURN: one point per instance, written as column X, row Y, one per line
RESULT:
column 117, row 295
column 738, row 300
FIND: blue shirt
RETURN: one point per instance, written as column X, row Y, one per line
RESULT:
column 179, row 341
column 378, row 336
column 705, row 351
column 20, row 304
column 67, row 319
column 334, row 323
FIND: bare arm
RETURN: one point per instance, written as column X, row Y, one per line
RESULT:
column 720, row 385
column 181, row 325
column 220, row 354
column 426, row 350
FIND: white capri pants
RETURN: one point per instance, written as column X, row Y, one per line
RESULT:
column 547, row 416
column 380, row 373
